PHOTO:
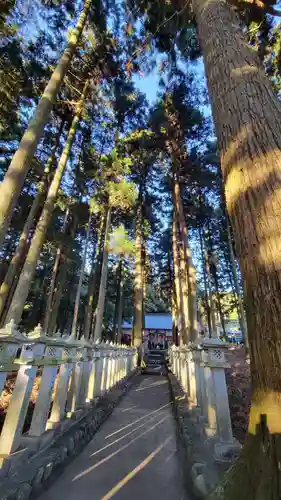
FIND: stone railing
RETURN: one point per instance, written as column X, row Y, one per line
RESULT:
column 200, row 371
column 73, row 374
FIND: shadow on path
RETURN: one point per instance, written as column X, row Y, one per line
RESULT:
column 133, row 455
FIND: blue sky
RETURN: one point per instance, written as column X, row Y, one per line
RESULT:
column 148, row 84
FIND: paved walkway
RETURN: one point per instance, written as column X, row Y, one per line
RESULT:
column 133, row 455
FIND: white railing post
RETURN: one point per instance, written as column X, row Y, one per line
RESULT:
column 214, row 363
column 177, row 353
column 93, row 375
column 99, row 370
column 185, row 369
column 80, row 374
column 105, row 359
column 87, row 363
column 118, row 362
column 68, row 359
column 123, row 362
column 52, row 353
column 115, row 365
column 173, row 359
column 17, row 410
column 109, row 367
column 194, row 359
column 11, row 341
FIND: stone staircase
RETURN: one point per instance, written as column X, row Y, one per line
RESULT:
column 155, row 362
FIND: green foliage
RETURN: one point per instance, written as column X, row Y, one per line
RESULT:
column 122, row 194
column 120, row 243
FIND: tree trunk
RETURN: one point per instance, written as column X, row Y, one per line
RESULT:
column 29, row 268
column 64, row 265
column 247, row 119
column 212, row 267
column 93, row 281
column 211, row 300
column 48, row 310
column 184, row 286
column 103, row 281
column 120, row 304
column 175, row 316
column 138, row 279
column 20, row 164
column 219, row 304
column 173, row 298
column 177, row 278
column 190, row 270
column 240, row 304
column 58, row 293
column 184, row 255
column 6, row 255
column 206, row 293
column 118, row 280
column 17, row 261
column 80, row 282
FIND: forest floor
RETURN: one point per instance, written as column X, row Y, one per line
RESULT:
column 238, row 385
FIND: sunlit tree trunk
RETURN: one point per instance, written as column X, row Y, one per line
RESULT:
column 184, row 259
column 190, row 270
column 175, row 316
column 177, row 278
column 103, row 281
column 29, row 268
column 80, row 282
column 247, row 119
column 15, row 266
column 173, row 298
column 138, row 278
column 120, row 305
column 20, row 164
column 117, row 300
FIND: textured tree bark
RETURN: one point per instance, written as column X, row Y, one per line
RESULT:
column 206, row 292
column 240, row 303
column 18, row 259
column 29, row 268
column 20, row 164
column 117, row 300
column 190, row 270
column 120, row 305
column 178, row 284
column 173, row 298
column 64, row 265
column 184, row 261
column 211, row 300
column 175, row 316
column 247, row 119
column 80, row 282
column 138, row 279
column 213, row 275
column 93, row 282
column 103, row 281
column 48, row 310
